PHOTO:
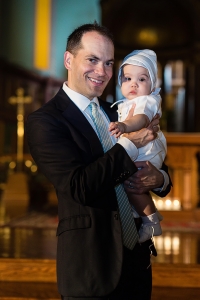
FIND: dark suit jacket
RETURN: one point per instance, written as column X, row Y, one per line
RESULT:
column 69, row 153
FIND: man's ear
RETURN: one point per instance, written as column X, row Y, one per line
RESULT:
column 67, row 60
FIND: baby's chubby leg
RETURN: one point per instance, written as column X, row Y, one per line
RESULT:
column 143, row 204
column 145, row 207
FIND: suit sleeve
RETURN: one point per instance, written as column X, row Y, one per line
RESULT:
column 164, row 193
column 65, row 158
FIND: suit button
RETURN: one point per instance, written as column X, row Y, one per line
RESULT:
column 116, row 216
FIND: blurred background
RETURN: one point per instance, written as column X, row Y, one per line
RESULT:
column 33, row 35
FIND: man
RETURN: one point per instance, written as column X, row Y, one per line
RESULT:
column 92, row 262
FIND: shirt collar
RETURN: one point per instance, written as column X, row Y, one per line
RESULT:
column 81, row 101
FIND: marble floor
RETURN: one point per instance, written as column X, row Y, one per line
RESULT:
column 33, row 235
column 19, row 241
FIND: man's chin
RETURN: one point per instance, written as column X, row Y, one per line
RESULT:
column 99, row 91
column 94, row 94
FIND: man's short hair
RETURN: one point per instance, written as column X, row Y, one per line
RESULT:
column 74, row 39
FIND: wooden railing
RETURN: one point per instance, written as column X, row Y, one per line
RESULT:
column 183, row 167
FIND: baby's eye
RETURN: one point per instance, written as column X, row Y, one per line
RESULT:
column 127, row 78
column 142, row 79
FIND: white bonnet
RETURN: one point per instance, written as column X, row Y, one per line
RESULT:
column 143, row 58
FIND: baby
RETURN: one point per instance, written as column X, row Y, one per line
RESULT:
column 137, row 78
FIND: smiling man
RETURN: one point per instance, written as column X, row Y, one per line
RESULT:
column 67, row 138
column 90, row 65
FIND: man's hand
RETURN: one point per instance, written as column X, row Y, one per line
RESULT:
column 131, row 112
column 145, row 179
column 154, row 124
column 142, row 137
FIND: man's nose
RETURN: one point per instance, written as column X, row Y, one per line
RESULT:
column 100, row 69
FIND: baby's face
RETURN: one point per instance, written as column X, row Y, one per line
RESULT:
column 135, row 82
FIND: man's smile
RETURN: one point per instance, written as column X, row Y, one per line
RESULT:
column 95, row 80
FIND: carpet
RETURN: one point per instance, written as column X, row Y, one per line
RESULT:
column 48, row 220
column 180, row 226
column 33, row 220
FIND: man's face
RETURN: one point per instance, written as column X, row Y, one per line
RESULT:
column 135, row 82
column 90, row 70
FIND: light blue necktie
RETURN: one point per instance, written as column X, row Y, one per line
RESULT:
column 129, row 231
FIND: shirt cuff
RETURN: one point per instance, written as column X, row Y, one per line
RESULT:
column 130, row 148
column 165, row 184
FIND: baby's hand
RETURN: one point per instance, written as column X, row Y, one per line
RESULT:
column 116, row 128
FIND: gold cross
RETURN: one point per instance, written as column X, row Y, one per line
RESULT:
column 20, row 100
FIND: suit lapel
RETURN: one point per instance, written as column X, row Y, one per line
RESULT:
column 73, row 115
column 111, row 112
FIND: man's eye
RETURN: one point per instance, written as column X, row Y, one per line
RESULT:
column 92, row 60
column 109, row 64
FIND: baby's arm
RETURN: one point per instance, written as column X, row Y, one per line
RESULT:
column 133, row 123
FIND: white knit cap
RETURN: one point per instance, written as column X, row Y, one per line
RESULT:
column 143, row 58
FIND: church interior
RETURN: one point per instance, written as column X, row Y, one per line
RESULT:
column 33, row 37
